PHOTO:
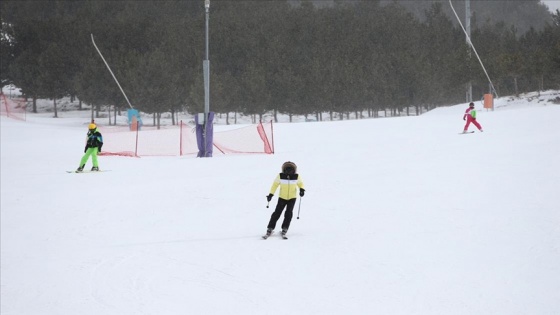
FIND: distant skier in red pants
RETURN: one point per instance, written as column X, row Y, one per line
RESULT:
column 470, row 117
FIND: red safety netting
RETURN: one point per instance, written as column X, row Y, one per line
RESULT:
column 12, row 107
column 181, row 140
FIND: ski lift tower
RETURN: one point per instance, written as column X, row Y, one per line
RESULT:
column 204, row 121
column 468, row 31
column 469, row 41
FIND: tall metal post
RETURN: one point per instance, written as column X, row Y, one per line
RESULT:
column 473, row 48
column 468, row 30
column 206, row 69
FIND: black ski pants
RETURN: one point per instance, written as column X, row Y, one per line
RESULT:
column 289, row 204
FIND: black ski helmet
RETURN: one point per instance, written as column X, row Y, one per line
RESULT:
column 471, row 104
column 289, row 168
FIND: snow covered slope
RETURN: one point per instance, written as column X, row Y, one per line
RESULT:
column 400, row 216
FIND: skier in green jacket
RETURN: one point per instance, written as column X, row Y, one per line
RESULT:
column 94, row 142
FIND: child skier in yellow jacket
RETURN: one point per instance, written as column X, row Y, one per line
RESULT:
column 289, row 182
column 94, row 142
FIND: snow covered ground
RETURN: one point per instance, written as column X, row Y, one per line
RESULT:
column 400, row 216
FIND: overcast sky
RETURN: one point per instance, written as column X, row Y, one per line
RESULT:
column 553, row 5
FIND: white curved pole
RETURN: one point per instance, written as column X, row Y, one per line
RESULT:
column 474, row 49
column 100, row 54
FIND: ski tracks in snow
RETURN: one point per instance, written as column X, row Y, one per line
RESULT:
column 155, row 281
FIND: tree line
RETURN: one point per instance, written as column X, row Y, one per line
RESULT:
column 270, row 56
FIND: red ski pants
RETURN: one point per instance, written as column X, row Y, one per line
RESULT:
column 473, row 121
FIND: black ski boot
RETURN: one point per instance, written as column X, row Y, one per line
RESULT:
column 284, row 234
column 95, row 169
column 80, row 169
column 268, row 233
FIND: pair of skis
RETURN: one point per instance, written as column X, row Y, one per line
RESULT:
column 266, row 236
column 84, row 171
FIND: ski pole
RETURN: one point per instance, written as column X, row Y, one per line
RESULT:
column 299, row 208
column 267, row 204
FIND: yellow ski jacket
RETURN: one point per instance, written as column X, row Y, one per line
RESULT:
column 288, row 185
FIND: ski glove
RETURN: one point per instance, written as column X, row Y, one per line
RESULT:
column 269, row 197
column 85, row 150
column 464, row 118
column 301, row 192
